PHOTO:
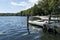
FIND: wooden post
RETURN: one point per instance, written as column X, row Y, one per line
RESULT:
column 49, row 18
column 28, row 25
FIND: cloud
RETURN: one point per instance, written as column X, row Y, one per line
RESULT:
column 24, row 3
column 19, row 4
column 33, row 1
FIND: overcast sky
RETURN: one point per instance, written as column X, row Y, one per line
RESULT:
column 13, row 6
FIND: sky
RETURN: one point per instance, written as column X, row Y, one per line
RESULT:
column 14, row 6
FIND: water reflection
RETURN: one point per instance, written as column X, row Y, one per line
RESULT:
column 28, row 31
column 36, row 31
column 46, row 35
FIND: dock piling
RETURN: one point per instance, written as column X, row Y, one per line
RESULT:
column 28, row 25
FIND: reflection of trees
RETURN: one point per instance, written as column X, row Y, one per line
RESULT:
column 52, row 36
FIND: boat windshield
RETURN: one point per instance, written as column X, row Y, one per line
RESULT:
column 41, row 21
column 35, row 18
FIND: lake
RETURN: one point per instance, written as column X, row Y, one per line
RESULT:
column 15, row 28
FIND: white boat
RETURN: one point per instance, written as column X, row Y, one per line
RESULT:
column 38, row 22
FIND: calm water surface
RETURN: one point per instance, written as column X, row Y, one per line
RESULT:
column 15, row 28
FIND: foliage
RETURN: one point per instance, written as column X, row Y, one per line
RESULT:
column 44, row 7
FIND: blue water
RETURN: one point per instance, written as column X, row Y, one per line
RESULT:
column 15, row 28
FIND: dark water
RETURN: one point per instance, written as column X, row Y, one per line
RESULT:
column 15, row 28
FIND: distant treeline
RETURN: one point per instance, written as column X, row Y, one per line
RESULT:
column 8, row 14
